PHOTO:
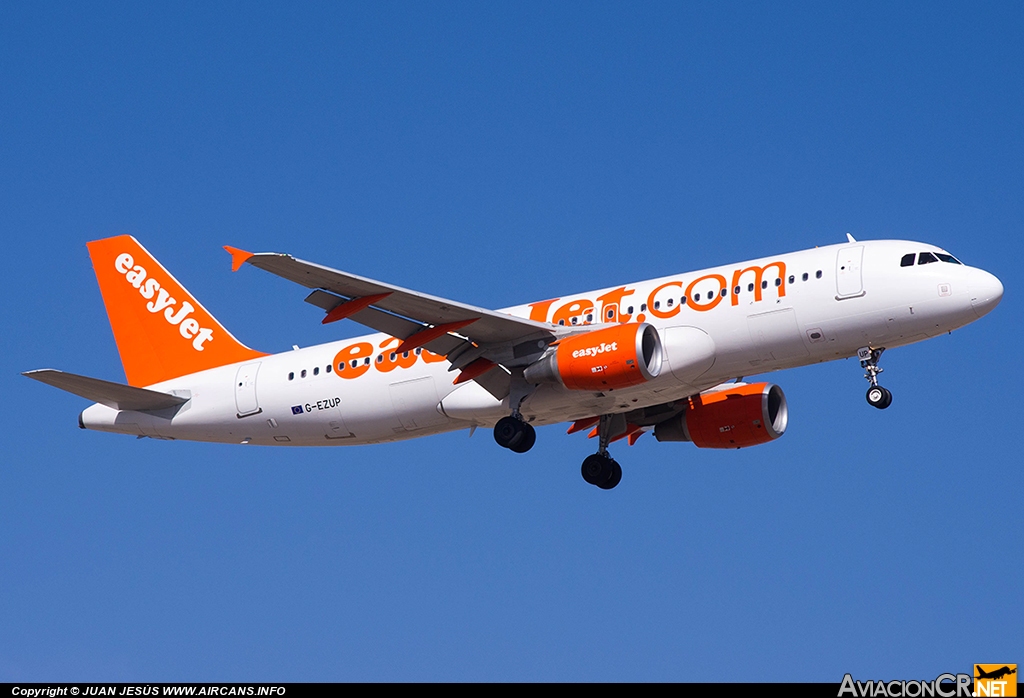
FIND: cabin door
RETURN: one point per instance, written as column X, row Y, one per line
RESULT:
column 849, row 280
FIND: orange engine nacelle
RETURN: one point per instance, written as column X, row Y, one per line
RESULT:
column 606, row 359
column 741, row 415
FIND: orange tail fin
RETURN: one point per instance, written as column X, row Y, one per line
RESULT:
column 161, row 330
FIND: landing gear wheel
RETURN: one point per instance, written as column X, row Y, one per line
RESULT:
column 602, row 471
column 508, row 431
column 593, row 469
column 527, row 441
column 879, row 397
column 616, row 477
column 514, row 434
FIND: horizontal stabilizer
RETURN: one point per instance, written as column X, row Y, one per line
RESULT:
column 115, row 395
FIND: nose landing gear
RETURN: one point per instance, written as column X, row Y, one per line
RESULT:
column 877, row 396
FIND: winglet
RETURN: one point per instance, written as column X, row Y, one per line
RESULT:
column 238, row 257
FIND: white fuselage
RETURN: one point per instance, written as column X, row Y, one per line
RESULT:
column 790, row 310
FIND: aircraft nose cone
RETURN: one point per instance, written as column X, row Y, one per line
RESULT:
column 986, row 291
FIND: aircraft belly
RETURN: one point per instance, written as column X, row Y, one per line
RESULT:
column 550, row 404
column 469, row 402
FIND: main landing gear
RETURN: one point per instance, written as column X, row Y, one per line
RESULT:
column 877, row 396
column 515, row 434
column 600, row 469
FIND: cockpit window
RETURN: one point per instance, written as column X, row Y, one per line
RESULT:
column 907, row 260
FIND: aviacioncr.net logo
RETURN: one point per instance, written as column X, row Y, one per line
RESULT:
column 943, row 686
column 995, row 680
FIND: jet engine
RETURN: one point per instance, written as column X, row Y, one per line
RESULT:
column 605, row 359
column 738, row 416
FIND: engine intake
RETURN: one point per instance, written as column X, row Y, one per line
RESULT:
column 606, row 359
column 741, row 415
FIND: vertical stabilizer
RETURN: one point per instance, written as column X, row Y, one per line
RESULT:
column 161, row 330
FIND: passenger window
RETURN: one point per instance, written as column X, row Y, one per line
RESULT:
column 670, row 302
column 682, row 301
column 380, row 358
column 405, row 355
column 303, row 374
column 805, row 276
column 736, row 291
column 724, row 291
column 791, row 278
column 750, row 287
column 817, row 274
column 393, row 356
column 696, row 298
column 316, row 370
column 590, row 317
column 419, row 351
column 778, row 282
column 764, row 284
column 926, row 258
column 610, row 314
column 629, row 310
column 561, row 322
column 657, row 305
column 907, row 260
column 355, row 362
column 574, row 319
column 643, row 307
column 366, row 361
column 328, row 369
column 291, row 376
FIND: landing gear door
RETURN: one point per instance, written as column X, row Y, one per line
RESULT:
column 245, row 389
column 849, row 280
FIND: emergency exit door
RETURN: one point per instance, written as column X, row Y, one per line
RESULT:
column 245, row 389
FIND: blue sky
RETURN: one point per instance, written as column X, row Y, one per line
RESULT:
column 499, row 154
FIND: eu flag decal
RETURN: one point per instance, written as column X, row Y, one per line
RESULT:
column 297, row 409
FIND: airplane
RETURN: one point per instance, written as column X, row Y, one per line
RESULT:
column 996, row 674
column 666, row 355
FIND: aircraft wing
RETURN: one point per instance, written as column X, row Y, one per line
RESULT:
column 114, row 395
column 417, row 318
column 487, row 327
